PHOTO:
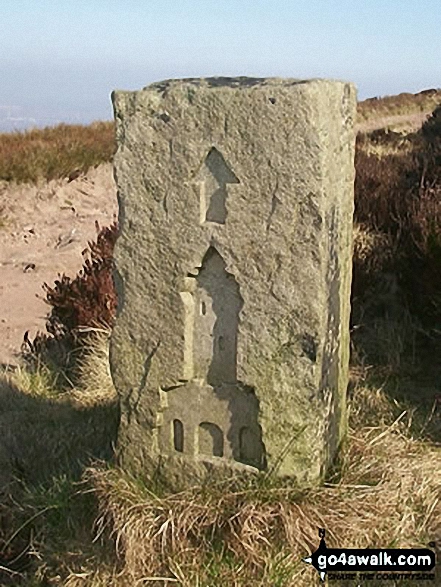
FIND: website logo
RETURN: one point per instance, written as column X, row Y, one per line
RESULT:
column 379, row 560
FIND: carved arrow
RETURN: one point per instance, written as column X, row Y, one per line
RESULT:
column 213, row 178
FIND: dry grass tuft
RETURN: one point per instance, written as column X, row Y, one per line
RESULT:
column 101, row 578
column 41, row 382
column 54, row 152
column 373, row 250
column 94, row 383
column 388, row 493
column 383, row 142
column 385, row 492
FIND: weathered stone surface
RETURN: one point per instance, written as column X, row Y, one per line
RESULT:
column 233, row 274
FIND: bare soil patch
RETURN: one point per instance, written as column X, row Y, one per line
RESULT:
column 43, row 230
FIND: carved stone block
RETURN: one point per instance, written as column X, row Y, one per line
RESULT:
column 233, row 272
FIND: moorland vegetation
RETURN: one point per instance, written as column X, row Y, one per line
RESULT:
column 89, row 524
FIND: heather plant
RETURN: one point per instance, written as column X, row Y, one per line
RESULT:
column 431, row 152
column 384, row 190
column 431, row 129
column 397, row 252
column 88, row 300
column 424, row 268
column 80, row 307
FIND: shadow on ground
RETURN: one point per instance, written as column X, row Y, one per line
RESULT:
column 46, row 437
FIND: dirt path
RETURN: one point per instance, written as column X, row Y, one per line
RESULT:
column 43, row 230
column 405, row 122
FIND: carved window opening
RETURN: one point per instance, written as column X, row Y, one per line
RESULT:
column 178, row 435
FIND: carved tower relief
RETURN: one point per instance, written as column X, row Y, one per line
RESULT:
column 212, row 304
column 209, row 412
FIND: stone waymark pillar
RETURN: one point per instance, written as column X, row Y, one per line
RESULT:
column 233, row 270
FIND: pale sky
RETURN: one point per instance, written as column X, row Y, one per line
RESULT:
column 60, row 59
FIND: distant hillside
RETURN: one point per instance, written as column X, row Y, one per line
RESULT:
column 66, row 149
column 404, row 103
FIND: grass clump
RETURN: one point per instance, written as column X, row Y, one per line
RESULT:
column 50, row 433
column 48, row 528
column 258, row 534
column 117, row 530
column 54, row 152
